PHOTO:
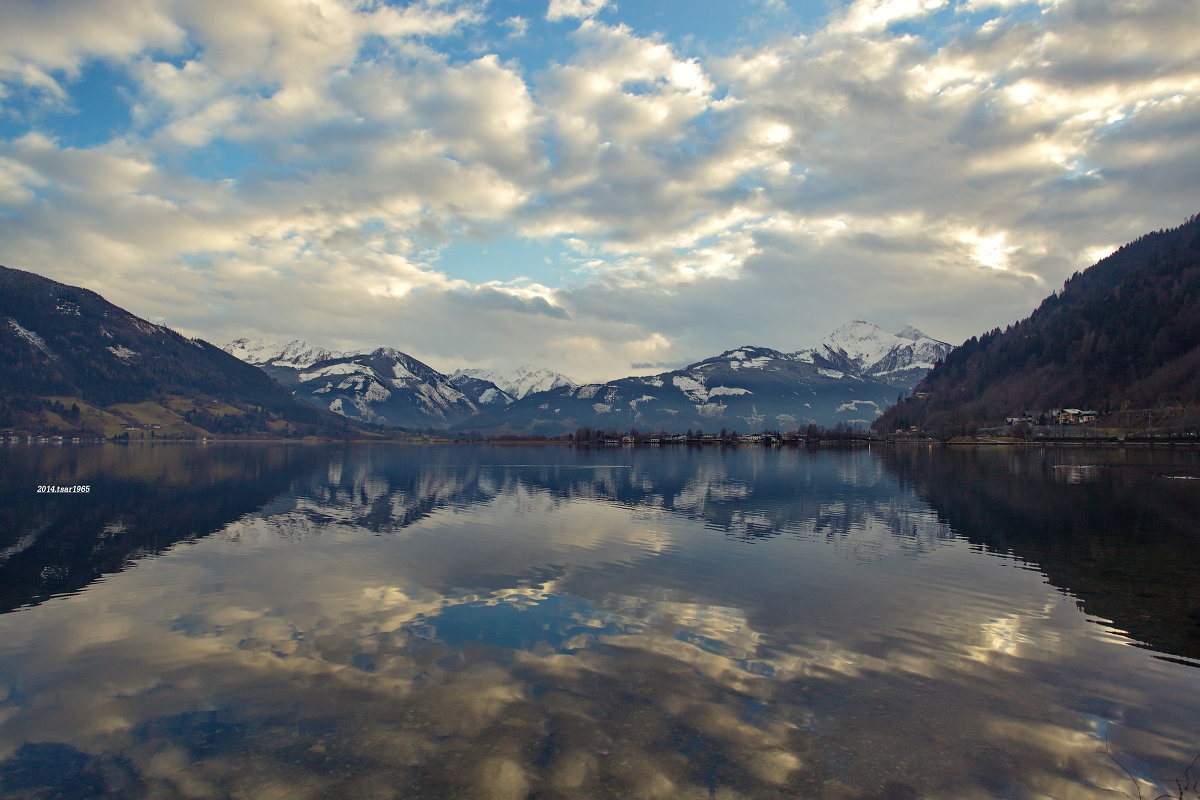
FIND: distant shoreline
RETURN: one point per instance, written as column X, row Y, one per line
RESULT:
column 416, row 441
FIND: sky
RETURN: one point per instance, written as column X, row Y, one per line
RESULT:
column 601, row 187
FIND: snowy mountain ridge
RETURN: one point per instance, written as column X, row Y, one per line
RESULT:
column 296, row 353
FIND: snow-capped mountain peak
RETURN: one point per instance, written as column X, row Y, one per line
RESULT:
column 528, row 379
column 909, row 332
column 899, row 359
column 860, row 342
column 522, row 381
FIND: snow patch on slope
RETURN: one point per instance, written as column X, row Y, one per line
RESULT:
column 692, row 388
column 343, row 368
column 123, row 353
column 31, row 337
column 854, row 404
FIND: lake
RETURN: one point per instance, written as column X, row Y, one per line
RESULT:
column 472, row 621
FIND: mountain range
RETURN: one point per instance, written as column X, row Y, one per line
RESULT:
column 849, row 377
column 1124, row 333
column 75, row 363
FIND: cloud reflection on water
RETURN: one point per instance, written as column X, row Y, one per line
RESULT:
column 571, row 638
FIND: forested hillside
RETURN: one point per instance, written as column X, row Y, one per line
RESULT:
column 1124, row 333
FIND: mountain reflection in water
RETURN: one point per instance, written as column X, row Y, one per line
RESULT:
column 141, row 501
column 1127, row 549
column 565, row 623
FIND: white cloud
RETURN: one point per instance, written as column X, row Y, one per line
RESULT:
column 566, row 9
column 60, row 35
column 986, row 5
column 18, row 182
column 866, row 16
column 517, row 26
column 319, row 156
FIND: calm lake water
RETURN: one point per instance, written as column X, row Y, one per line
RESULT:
column 272, row 621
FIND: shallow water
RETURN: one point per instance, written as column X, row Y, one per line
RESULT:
column 485, row 621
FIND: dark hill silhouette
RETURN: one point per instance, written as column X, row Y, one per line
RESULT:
column 1123, row 333
column 65, row 342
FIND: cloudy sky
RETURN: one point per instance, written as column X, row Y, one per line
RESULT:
column 603, row 187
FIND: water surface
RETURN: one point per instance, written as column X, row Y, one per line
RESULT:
column 475, row 621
